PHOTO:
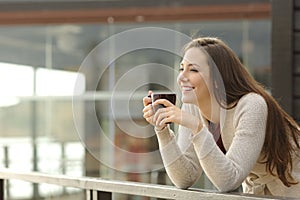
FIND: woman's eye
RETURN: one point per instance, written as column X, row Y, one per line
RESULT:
column 194, row 70
column 181, row 69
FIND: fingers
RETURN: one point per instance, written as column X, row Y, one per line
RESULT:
column 163, row 116
column 148, row 111
column 147, row 100
column 164, row 102
column 160, row 118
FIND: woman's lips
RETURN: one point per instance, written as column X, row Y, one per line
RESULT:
column 187, row 88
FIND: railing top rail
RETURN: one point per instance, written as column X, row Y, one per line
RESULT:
column 125, row 187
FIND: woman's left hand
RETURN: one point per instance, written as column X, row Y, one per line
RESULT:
column 172, row 113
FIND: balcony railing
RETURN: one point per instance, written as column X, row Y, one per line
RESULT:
column 97, row 188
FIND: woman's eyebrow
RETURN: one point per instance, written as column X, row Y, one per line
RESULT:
column 190, row 64
column 194, row 65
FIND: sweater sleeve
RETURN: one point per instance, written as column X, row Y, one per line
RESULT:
column 227, row 172
column 179, row 156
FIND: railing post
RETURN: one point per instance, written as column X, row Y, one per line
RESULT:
column 98, row 195
column 88, row 195
column 104, row 195
column 2, row 189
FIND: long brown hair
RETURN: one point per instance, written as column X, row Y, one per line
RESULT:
column 282, row 132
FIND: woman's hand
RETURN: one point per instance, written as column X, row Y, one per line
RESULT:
column 172, row 113
column 169, row 114
column 149, row 112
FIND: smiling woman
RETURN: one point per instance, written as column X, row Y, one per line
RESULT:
column 261, row 140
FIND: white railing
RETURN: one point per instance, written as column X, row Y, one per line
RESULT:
column 97, row 188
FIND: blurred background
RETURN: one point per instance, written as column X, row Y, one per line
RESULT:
column 43, row 45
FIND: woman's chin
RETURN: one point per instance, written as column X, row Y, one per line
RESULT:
column 188, row 100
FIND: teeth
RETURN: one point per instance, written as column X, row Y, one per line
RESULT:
column 187, row 88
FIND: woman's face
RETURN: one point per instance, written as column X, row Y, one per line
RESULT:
column 193, row 78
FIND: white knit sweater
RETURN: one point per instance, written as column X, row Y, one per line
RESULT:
column 243, row 136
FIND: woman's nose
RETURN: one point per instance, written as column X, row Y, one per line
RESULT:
column 182, row 76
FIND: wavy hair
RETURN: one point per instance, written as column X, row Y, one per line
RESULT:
column 282, row 132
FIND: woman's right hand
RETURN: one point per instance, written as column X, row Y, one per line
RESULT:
column 149, row 112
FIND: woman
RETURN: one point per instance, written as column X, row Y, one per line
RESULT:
column 259, row 143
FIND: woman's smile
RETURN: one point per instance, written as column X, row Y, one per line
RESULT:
column 187, row 88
